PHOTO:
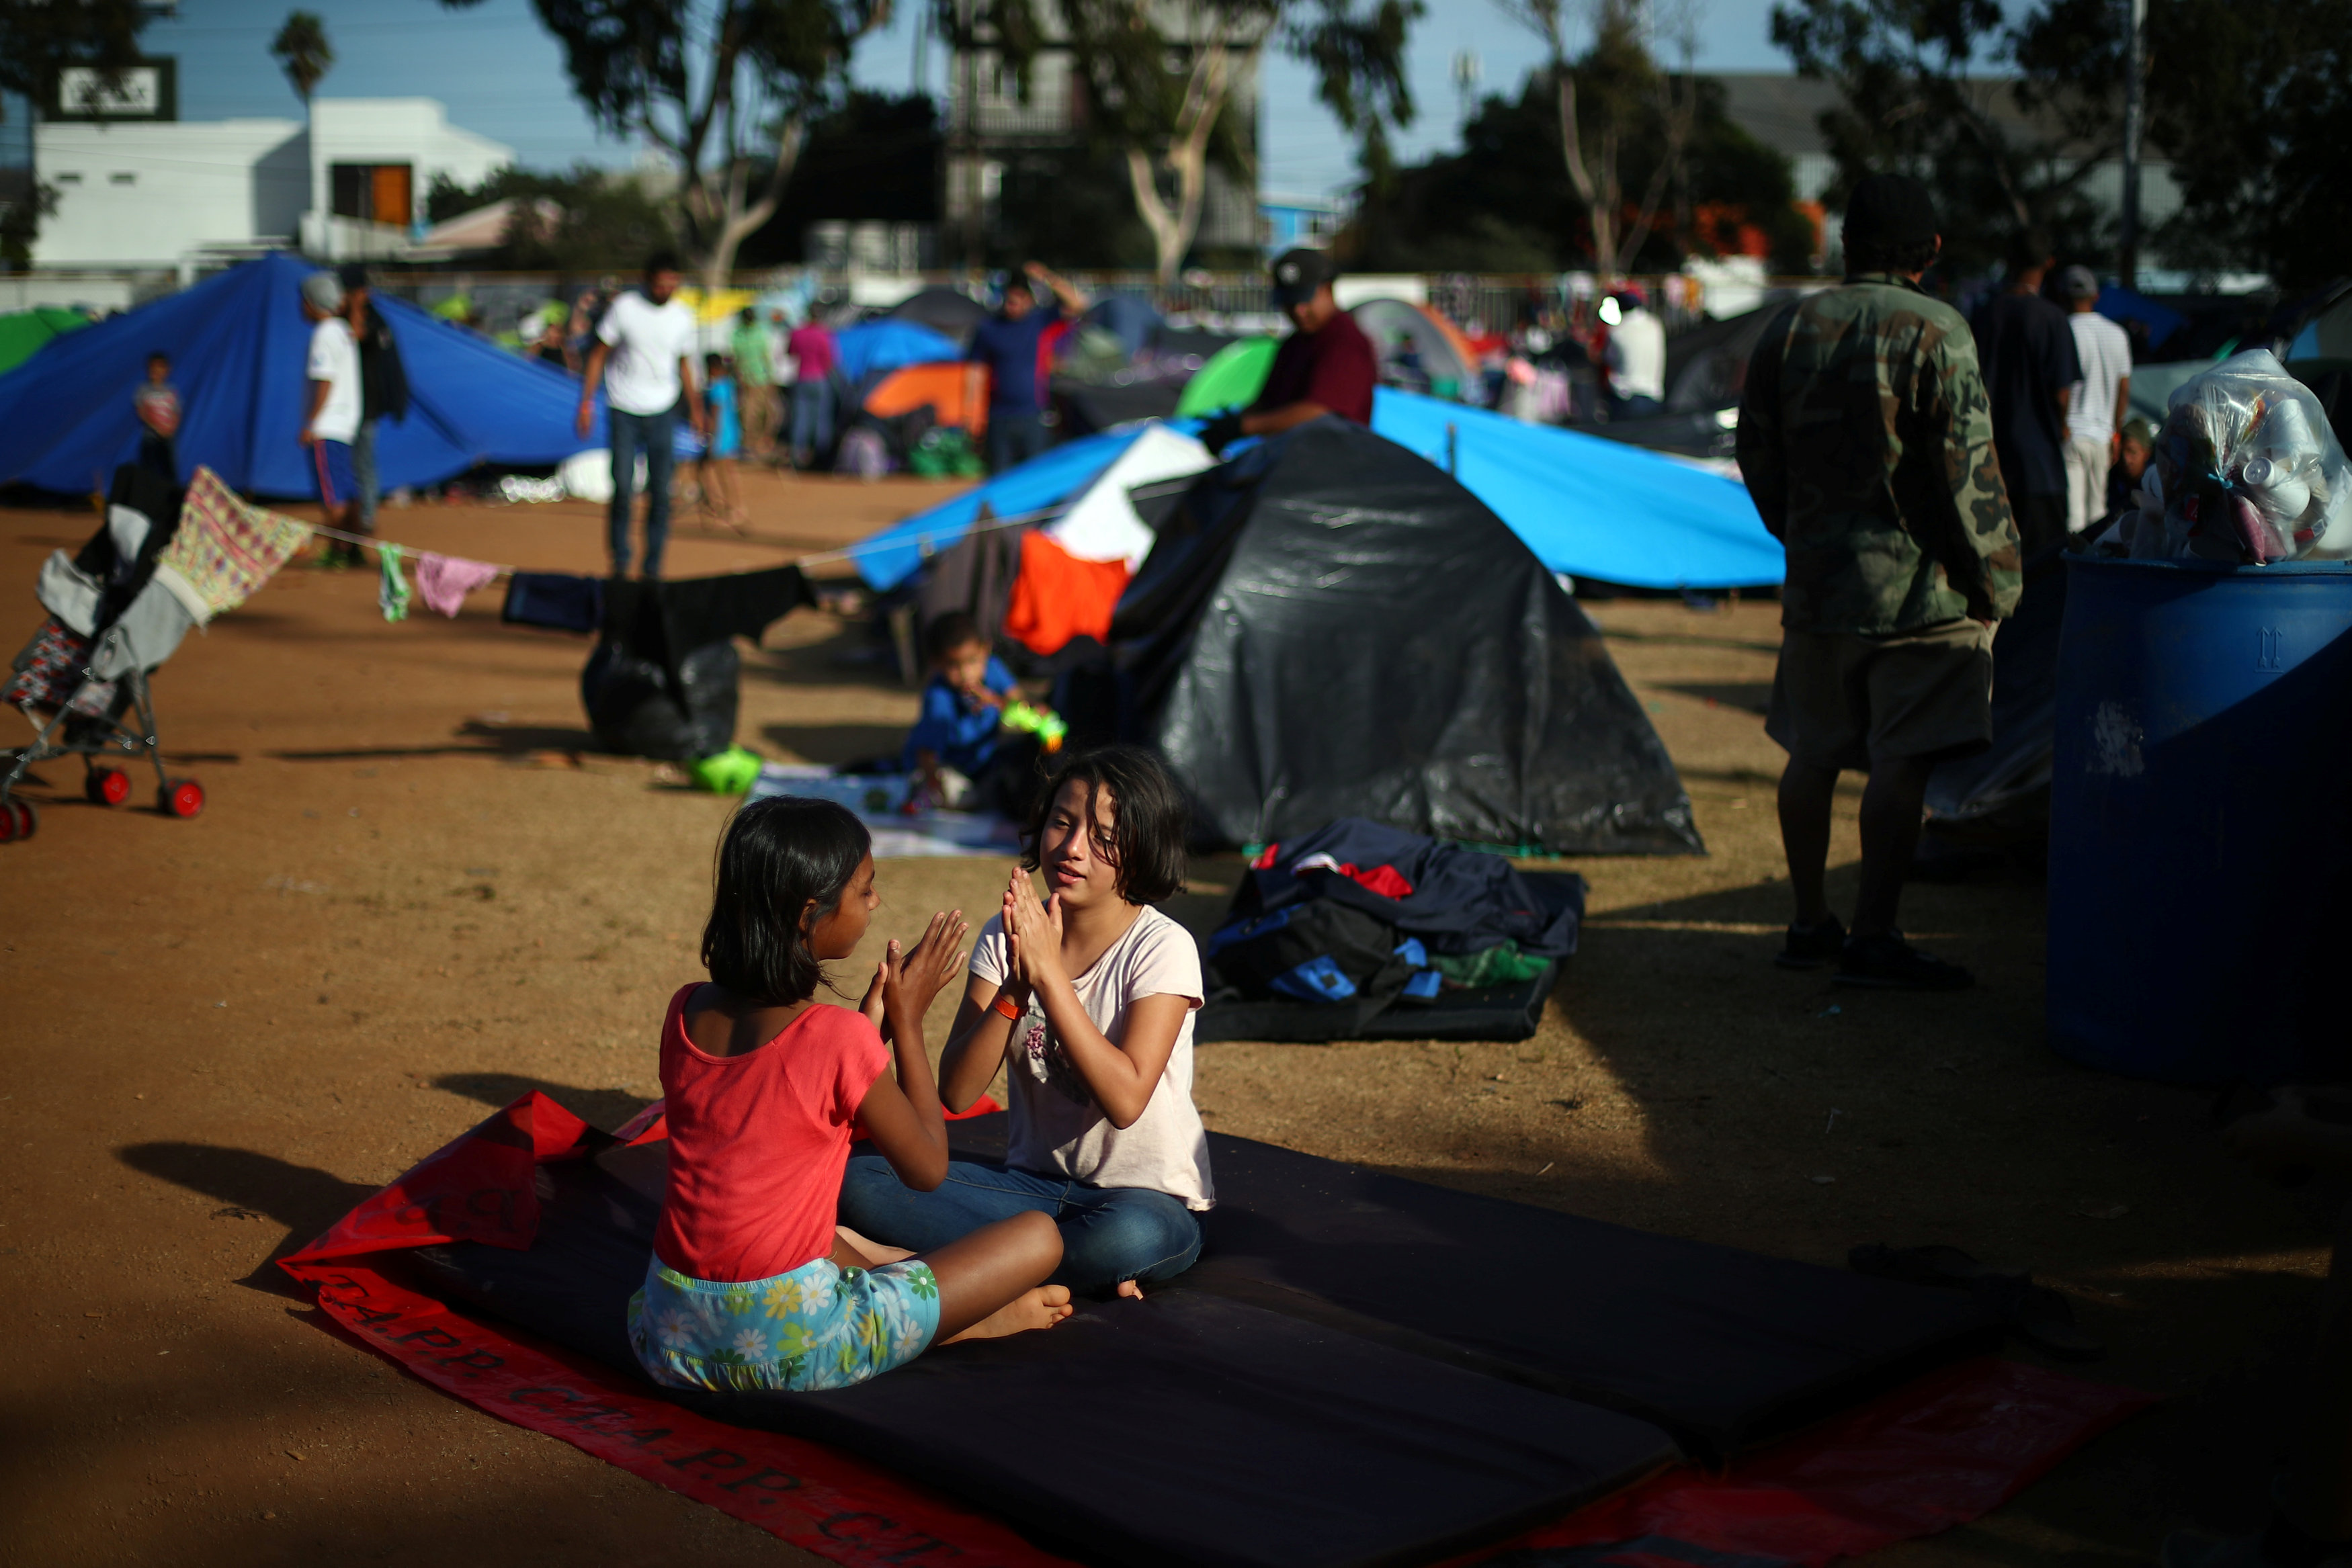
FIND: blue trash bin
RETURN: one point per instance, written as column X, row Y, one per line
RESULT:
column 2200, row 808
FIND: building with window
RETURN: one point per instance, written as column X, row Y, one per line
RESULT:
column 152, row 194
column 993, row 126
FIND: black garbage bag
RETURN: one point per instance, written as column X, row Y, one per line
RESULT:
column 639, row 707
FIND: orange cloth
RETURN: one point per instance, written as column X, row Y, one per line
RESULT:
column 1057, row 596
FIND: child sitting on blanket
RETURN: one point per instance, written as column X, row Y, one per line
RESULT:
column 750, row 1287
column 1086, row 1001
column 957, row 750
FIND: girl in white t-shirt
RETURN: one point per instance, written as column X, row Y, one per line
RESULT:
column 1086, row 1000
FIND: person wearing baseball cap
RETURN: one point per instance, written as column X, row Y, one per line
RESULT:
column 330, row 420
column 1864, row 441
column 1325, row 366
column 2098, row 404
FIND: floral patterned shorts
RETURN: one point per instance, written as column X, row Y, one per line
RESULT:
column 819, row 1326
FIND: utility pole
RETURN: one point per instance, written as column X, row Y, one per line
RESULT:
column 2134, row 78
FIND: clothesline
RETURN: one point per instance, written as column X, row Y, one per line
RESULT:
column 816, row 557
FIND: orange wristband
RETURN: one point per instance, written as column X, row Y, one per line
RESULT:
column 1005, row 1005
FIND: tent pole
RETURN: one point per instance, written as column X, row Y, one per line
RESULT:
column 1452, row 451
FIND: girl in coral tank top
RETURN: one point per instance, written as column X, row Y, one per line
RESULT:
column 750, row 1288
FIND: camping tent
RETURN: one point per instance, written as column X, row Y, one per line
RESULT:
column 878, row 347
column 1041, row 582
column 950, row 312
column 23, row 332
column 239, row 346
column 955, row 392
column 1232, row 378
column 1330, row 627
column 1448, row 363
column 888, row 557
column 1588, row 507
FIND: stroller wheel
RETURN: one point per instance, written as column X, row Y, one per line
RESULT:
column 106, row 785
column 180, row 798
column 18, row 820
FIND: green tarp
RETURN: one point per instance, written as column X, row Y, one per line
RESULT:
column 22, row 332
column 1230, row 379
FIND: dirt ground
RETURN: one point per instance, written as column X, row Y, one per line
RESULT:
column 416, row 892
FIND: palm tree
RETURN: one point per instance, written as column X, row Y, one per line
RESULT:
column 303, row 52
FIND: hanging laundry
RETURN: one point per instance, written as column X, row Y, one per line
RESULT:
column 698, row 611
column 392, row 593
column 560, row 601
column 444, row 581
column 225, row 549
column 1057, row 597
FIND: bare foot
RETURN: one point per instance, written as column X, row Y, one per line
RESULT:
column 1131, row 1289
column 1041, row 1308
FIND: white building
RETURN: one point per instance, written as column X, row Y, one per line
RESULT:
column 152, row 195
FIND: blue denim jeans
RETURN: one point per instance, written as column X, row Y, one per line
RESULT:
column 1108, row 1233
column 812, row 434
column 1014, row 436
column 363, row 470
column 655, row 435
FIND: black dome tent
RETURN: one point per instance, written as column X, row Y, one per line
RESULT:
column 1329, row 626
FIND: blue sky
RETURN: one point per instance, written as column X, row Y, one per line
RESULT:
column 502, row 77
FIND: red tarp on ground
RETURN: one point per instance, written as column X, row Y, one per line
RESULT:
column 1935, row 1453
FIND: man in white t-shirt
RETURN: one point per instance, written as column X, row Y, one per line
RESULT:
column 2100, row 403
column 1637, row 355
column 330, row 420
column 642, row 359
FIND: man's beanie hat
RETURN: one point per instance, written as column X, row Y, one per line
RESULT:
column 323, row 292
column 1890, row 210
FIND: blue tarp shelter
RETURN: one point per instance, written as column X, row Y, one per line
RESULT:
column 889, row 558
column 1586, row 506
column 239, row 350
column 2121, row 305
column 880, row 346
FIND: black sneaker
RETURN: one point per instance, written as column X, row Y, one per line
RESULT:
column 1888, row 963
column 1810, row 946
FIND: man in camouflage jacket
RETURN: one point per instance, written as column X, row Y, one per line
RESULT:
column 1865, row 438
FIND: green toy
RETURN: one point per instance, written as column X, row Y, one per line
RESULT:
column 1047, row 726
column 729, row 772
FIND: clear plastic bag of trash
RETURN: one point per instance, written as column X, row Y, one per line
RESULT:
column 2245, row 470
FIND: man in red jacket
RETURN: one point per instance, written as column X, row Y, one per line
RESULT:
column 1326, row 366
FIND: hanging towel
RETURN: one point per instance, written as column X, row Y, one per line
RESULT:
column 558, row 600
column 225, row 549
column 392, row 593
column 444, row 581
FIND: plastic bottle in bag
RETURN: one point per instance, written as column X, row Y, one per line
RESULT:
column 2247, row 470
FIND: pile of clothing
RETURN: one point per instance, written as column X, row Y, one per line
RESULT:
column 1356, row 923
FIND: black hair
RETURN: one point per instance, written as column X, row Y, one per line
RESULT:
column 1889, row 256
column 2028, row 249
column 1146, row 844
column 663, row 261
column 713, row 362
column 778, row 856
column 155, row 354
column 949, row 632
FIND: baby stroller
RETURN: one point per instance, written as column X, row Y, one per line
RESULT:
column 85, row 669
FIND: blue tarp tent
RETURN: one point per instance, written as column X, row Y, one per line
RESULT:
column 239, row 349
column 1592, row 508
column 889, row 558
column 2121, row 305
column 881, row 347
column 1586, row 506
